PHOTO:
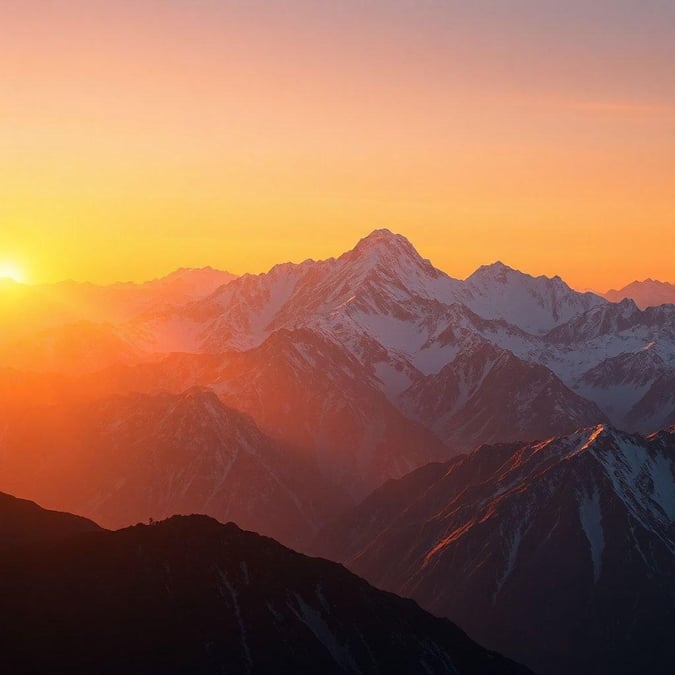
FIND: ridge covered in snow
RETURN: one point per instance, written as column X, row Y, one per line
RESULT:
column 404, row 320
column 579, row 529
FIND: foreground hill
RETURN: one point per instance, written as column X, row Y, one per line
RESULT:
column 559, row 553
column 189, row 595
column 23, row 522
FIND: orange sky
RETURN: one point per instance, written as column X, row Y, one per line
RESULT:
column 137, row 137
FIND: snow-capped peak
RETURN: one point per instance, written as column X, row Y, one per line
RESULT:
column 384, row 248
column 535, row 304
column 384, row 237
column 496, row 271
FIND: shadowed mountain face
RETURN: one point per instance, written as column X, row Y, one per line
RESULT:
column 487, row 394
column 307, row 390
column 560, row 553
column 191, row 595
column 125, row 459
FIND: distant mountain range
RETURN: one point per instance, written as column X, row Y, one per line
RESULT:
column 647, row 293
column 559, row 553
column 43, row 312
column 189, row 595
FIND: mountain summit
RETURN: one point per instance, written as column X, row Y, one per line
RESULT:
column 385, row 240
column 535, row 304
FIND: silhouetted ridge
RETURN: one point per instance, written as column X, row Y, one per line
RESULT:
column 189, row 595
column 23, row 522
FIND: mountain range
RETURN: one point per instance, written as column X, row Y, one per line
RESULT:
column 366, row 366
column 404, row 320
column 67, row 325
column 498, row 448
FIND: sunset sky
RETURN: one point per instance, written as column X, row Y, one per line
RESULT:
column 137, row 136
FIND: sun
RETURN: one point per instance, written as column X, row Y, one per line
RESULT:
column 10, row 270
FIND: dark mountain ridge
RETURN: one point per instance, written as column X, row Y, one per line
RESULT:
column 189, row 595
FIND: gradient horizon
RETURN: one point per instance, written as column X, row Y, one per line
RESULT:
column 142, row 137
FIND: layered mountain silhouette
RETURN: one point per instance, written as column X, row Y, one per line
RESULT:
column 647, row 293
column 126, row 459
column 192, row 595
column 560, row 553
column 367, row 365
column 282, row 400
column 73, row 327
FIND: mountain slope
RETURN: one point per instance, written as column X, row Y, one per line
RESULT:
column 487, row 394
column 191, row 595
column 559, row 553
column 297, row 385
column 534, row 304
column 656, row 409
column 378, row 284
column 307, row 390
column 620, row 382
column 72, row 349
column 27, row 309
column 623, row 318
column 23, row 523
column 125, row 459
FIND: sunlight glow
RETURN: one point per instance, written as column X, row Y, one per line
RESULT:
column 10, row 270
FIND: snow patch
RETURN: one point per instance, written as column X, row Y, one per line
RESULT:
column 226, row 585
column 511, row 558
column 591, row 522
column 323, row 633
